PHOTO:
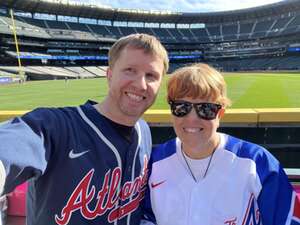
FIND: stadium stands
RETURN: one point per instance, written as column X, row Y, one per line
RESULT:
column 100, row 30
column 243, row 29
column 82, row 72
column 261, row 38
column 54, row 72
column 254, row 64
column 230, row 32
column 23, row 28
column 261, row 28
column 97, row 72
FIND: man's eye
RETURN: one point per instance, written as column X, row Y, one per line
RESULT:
column 151, row 76
column 128, row 69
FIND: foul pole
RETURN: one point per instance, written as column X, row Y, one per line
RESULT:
column 21, row 72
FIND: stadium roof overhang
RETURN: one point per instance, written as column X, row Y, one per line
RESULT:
column 95, row 12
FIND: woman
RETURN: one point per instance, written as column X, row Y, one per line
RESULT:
column 204, row 177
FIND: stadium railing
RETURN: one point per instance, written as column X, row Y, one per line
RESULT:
column 260, row 122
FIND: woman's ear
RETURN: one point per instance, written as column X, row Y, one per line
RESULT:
column 221, row 113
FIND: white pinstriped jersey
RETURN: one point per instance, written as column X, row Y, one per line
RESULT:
column 245, row 185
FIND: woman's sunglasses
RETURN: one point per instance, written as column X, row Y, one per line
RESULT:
column 204, row 110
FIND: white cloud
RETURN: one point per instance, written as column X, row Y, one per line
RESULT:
column 223, row 5
column 182, row 5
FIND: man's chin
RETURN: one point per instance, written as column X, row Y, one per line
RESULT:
column 134, row 112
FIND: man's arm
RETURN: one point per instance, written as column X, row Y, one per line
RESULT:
column 26, row 146
column 2, row 177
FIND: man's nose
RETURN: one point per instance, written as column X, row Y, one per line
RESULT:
column 141, row 82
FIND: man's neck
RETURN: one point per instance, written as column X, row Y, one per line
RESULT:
column 106, row 110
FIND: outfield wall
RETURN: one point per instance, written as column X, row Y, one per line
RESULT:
column 232, row 117
column 276, row 129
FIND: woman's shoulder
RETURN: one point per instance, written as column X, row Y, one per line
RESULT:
column 248, row 150
column 164, row 150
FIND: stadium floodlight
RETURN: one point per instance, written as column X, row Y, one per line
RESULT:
column 154, row 12
column 76, row 3
column 102, row 6
column 164, row 12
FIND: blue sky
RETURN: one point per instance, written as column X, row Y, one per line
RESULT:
column 180, row 5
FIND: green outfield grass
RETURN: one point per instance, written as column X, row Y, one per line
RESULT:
column 247, row 90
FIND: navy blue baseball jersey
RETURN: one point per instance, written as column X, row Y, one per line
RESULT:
column 81, row 169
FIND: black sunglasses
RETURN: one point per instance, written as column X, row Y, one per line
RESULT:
column 204, row 110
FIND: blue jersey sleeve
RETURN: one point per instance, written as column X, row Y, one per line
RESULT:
column 26, row 144
column 278, row 202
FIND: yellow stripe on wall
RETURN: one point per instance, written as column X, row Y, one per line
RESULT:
column 248, row 116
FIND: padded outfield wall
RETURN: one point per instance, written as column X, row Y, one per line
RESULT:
column 276, row 129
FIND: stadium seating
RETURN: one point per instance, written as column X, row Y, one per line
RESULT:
column 81, row 72
column 55, row 72
column 144, row 30
column 261, row 28
column 187, row 35
column 23, row 28
column 214, row 33
column 127, row 30
column 245, row 30
column 230, row 32
column 225, row 32
column 100, row 30
column 97, row 72
column 201, row 34
column 278, row 26
column 250, row 64
column 254, row 41
column 115, row 31
column 34, row 22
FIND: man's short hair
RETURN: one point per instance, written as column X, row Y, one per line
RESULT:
column 146, row 42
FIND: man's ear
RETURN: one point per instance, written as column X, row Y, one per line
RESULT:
column 221, row 113
column 108, row 74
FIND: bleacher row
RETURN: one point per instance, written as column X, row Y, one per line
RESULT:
column 270, row 63
column 239, row 30
column 41, row 72
column 252, row 64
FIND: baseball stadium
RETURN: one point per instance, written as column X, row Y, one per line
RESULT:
column 55, row 53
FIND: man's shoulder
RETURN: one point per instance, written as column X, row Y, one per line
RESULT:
column 48, row 119
column 143, row 126
column 49, row 112
column 142, row 122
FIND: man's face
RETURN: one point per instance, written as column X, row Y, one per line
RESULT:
column 134, row 81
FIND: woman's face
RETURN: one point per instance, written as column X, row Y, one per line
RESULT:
column 193, row 131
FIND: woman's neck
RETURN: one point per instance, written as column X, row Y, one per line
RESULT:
column 201, row 152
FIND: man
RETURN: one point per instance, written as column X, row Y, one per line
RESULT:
column 88, row 164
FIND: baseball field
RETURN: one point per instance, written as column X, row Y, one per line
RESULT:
column 247, row 90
